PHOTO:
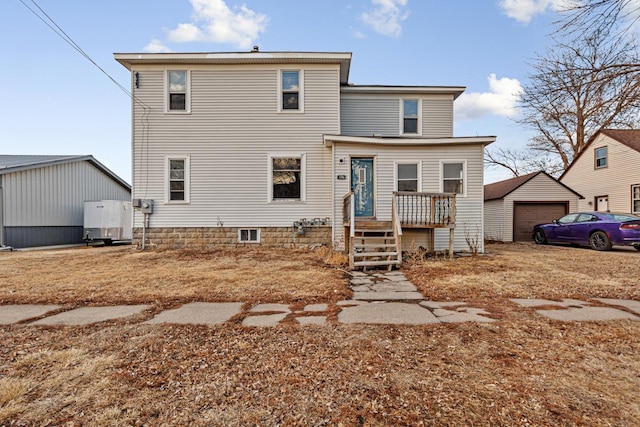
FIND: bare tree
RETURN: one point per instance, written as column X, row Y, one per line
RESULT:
column 581, row 17
column 578, row 88
column 587, row 81
column 522, row 162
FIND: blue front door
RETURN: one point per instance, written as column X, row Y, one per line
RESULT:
column 362, row 186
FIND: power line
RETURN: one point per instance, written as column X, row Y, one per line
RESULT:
column 51, row 23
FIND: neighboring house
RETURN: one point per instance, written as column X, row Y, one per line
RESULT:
column 513, row 206
column 264, row 146
column 42, row 197
column 607, row 172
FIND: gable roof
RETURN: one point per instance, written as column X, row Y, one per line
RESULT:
column 501, row 189
column 17, row 163
column 628, row 137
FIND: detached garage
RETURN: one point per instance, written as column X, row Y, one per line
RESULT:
column 512, row 207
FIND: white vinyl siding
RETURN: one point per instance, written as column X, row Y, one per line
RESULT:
column 380, row 114
column 55, row 195
column 234, row 124
column 541, row 188
column 614, row 181
column 469, row 209
column 494, row 220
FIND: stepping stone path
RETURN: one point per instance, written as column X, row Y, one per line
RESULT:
column 389, row 298
column 572, row 310
column 85, row 315
column 199, row 313
column 378, row 298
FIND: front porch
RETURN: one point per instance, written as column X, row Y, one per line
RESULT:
column 372, row 243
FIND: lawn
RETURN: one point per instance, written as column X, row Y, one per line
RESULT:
column 523, row 369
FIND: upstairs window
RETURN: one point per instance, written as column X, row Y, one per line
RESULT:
column 601, row 157
column 410, row 116
column 178, row 91
column 635, row 199
column 453, row 177
column 291, row 90
column 407, row 177
column 177, row 185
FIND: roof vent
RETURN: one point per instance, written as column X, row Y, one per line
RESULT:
column 255, row 49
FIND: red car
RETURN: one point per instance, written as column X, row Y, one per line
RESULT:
column 600, row 230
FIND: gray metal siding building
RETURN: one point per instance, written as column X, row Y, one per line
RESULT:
column 42, row 197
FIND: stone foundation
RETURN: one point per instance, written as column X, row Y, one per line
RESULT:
column 183, row 237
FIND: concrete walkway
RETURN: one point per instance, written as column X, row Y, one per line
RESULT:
column 378, row 298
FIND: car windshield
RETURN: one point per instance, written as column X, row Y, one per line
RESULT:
column 621, row 217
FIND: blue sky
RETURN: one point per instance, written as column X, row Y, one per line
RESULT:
column 54, row 101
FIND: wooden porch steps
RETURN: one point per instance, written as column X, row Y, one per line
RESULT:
column 374, row 245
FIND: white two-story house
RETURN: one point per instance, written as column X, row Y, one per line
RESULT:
column 279, row 148
column 607, row 172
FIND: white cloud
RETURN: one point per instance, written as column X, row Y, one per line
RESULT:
column 386, row 16
column 501, row 100
column 156, row 46
column 215, row 22
column 357, row 34
column 525, row 10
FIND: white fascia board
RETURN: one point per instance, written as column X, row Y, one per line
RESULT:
column 329, row 140
column 414, row 90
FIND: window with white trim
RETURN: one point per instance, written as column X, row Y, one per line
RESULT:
column 408, row 177
column 410, row 116
column 177, row 179
column 291, row 95
column 177, row 91
column 453, row 177
column 287, row 177
column 635, row 199
column 600, row 155
column 249, row 235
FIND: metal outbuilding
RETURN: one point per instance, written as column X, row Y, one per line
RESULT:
column 42, row 197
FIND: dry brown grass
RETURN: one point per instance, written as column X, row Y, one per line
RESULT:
column 527, row 271
column 121, row 275
column 523, row 370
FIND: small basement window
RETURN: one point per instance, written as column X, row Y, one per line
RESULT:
column 249, row 235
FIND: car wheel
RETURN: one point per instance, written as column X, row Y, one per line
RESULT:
column 539, row 237
column 599, row 241
column 637, row 247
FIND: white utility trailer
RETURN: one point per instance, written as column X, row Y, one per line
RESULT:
column 107, row 220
